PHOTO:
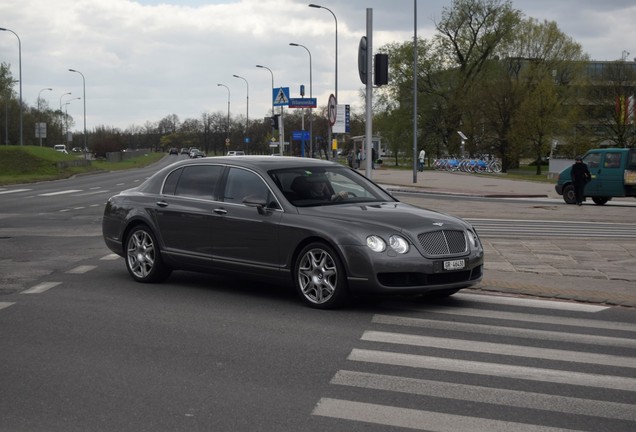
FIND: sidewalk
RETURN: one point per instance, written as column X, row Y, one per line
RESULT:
column 574, row 269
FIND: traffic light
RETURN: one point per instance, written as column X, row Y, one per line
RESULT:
column 274, row 121
column 381, row 75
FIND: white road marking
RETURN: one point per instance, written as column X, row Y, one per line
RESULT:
column 109, row 257
column 536, row 318
column 542, row 304
column 418, row 419
column 493, row 369
column 81, row 269
column 61, row 192
column 13, row 191
column 498, row 349
column 5, row 304
column 544, row 335
column 495, row 396
column 40, row 288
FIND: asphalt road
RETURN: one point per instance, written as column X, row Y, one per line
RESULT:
column 84, row 348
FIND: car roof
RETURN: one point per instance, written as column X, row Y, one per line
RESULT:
column 261, row 162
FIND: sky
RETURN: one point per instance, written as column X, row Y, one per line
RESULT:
column 143, row 60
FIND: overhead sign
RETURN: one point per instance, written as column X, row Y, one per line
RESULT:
column 281, row 96
column 302, row 103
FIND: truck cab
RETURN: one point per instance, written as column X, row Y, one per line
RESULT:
column 613, row 173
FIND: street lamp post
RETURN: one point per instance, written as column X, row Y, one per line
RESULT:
column 272, row 74
column 19, row 77
column 247, row 113
column 227, row 141
column 281, row 127
column 62, row 115
column 336, row 83
column 84, row 98
column 311, row 116
column 66, row 104
column 40, row 114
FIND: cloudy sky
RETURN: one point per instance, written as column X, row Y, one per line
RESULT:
column 146, row 59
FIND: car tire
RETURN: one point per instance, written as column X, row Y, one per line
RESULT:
column 319, row 277
column 569, row 196
column 143, row 258
column 600, row 200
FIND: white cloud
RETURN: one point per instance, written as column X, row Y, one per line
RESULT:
column 144, row 60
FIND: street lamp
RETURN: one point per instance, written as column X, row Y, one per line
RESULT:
column 84, row 97
column 62, row 115
column 66, row 104
column 227, row 141
column 40, row 114
column 311, row 117
column 20, row 76
column 247, row 114
column 272, row 73
column 336, row 84
column 336, row 19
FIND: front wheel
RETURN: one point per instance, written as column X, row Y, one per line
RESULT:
column 319, row 277
column 569, row 195
column 143, row 259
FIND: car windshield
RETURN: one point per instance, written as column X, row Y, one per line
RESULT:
column 310, row 186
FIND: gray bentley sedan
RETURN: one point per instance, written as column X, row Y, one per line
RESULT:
column 318, row 225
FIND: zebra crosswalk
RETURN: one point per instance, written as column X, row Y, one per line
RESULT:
column 544, row 366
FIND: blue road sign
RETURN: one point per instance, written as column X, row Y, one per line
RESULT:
column 280, row 96
column 300, row 135
column 302, row 103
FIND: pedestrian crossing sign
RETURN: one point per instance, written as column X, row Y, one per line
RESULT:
column 280, row 96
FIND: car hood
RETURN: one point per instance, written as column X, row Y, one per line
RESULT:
column 398, row 216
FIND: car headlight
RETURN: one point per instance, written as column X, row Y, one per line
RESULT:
column 399, row 244
column 376, row 244
column 473, row 238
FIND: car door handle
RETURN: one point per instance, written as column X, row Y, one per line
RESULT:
column 162, row 204
column 220, row 211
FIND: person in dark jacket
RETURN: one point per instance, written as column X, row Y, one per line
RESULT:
column 580, row 176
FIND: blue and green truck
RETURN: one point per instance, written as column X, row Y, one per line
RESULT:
column 613, row 173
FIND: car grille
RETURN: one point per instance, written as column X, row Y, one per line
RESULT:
column 444, row 242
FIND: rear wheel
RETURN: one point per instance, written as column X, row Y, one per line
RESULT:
column 143, row 259
column 569, row 196
column 600, row 200
column 319, row 277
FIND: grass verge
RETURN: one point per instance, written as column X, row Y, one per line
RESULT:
column 29, row 164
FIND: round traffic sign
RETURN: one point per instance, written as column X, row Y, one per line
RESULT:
column 331, row 109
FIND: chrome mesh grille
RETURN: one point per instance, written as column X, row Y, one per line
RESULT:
column 443, row 242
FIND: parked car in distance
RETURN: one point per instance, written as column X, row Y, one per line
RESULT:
column 613, row 173
column 185, row 150
column 235, row 153
column 314, row 224
column 196, row 153
column 174, row 151
column 60, row 148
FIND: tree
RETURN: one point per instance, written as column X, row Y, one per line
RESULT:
column 469, row 34
column 612, row 96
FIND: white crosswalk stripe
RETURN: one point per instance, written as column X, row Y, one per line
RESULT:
column 412, row 364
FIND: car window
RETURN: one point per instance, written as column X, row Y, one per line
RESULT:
column 170, row 185
column 241, row 183
column 305, row 187
column 199, row 181
column 632, row 160
column 592, row 160
column 613, row 160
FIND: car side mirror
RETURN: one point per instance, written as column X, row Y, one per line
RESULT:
column 256, row 201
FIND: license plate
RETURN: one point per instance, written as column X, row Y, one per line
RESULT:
column 454, row 264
